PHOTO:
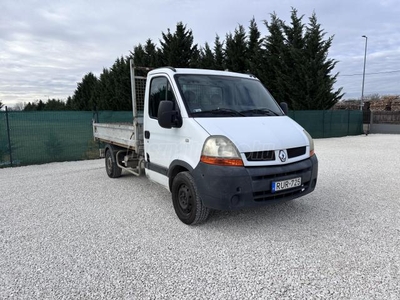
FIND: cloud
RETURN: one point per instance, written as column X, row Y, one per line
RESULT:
column 46, row 47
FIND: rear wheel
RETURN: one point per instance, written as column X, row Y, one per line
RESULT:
column 187, row 203
column 113, row 171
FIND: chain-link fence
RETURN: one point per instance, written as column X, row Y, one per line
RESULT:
column 329, row 123
column 47, row 136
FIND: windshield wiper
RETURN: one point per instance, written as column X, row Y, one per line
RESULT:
column 220, row 111
column 260, row 111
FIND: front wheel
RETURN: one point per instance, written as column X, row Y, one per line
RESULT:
column 113, row 171
column 187, row 203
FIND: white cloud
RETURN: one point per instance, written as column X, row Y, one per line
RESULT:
column 46, row 47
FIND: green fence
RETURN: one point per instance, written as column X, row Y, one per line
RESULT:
column 329, row 123
column 47, row 136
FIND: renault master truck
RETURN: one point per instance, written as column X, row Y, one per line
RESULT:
column 217, row 140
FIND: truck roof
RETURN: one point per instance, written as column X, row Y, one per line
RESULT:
column 173, row 71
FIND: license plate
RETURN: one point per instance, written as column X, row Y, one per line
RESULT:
column 286, row 184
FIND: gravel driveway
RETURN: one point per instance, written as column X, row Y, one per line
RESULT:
column 67, row 231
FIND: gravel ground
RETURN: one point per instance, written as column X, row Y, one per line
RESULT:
column 67, row 231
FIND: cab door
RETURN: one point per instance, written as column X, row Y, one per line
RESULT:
column 160, row 144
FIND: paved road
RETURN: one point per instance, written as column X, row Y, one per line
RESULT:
column 67, row 231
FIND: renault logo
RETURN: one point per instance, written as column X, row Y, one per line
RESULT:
column 282, row 155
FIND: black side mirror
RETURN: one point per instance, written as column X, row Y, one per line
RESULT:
column 167, row 116
column 284, row 107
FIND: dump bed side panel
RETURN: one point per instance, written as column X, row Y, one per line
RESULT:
column 120, row 134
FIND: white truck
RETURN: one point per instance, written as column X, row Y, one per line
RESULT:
column 216, row 139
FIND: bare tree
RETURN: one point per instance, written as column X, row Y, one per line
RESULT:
column 19, row 106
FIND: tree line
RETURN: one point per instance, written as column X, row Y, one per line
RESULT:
column 51, row 104
column 291, row 61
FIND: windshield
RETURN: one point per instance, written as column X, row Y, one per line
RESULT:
column 225, row 96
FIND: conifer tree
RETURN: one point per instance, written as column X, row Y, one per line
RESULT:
column 55, row 104
column 84, row 95
column 153, row 55
column 319, row 89
column 177, row 48
column 105, row 91
column 254, row 49
column 297, row 69
column 273, row 67
column 68, row 105
column 207, row 59
column 236, row 51
column 294, row 69
column 30, row 106
column 122, row 84
column 40, row 105
column 147, row 55
column 219, row 54
column 139, row 56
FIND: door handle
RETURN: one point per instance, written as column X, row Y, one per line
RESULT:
column 146, row 134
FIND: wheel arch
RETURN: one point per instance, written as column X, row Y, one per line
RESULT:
column 114, row 149
column 177, row 166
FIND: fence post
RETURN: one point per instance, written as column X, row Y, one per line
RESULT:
column 95, row 119
column 9, row 138
column 371, row 121
column 348, row 121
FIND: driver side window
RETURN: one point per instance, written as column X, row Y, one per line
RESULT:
column 160, row 89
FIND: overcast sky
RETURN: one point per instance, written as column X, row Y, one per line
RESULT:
column 46, row 47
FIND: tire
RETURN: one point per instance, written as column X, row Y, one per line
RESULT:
column 187, row 204
column 113, row 171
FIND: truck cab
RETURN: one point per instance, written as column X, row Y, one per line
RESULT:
column 218, row 140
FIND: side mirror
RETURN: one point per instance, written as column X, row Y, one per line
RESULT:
column 167, row 116
column 284, row 107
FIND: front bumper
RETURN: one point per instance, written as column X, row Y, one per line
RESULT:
column 229, row 188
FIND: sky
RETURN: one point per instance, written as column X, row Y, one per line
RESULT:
column 47, row 46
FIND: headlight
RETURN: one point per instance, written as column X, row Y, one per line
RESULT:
column 310, row 141
column 219, row 150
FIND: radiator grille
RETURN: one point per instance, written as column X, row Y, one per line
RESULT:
column 270, row 155
column 294, row 152
column 260, row 156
